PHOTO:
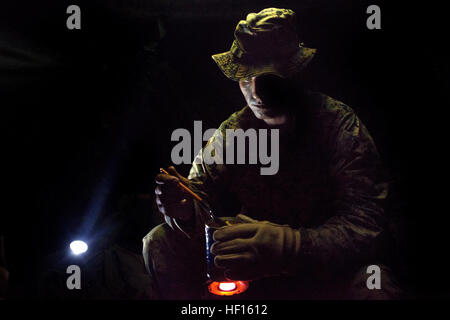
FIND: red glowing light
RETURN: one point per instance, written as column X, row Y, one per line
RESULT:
column 227, row 288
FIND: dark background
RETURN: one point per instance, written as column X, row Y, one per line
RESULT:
column 86, row 115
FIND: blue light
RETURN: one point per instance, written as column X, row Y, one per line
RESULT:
column 78, row 247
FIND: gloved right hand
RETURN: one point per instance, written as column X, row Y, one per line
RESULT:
column 255, row 249
column 171, row 199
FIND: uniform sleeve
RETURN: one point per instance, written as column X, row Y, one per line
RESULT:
column 355, row 230
column 208, row 179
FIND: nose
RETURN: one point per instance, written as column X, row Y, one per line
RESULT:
column 257, row 99
column 255, row 96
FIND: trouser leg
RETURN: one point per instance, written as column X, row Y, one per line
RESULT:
column 176, row 263
column 349, row 285
column 362, row 286
column 357, row 284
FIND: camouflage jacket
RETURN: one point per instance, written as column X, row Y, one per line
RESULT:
column 330, row 183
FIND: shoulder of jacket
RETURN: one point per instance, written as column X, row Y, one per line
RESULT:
column 326, row 104
column 238, row 119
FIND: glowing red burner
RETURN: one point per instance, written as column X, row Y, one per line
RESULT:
column 227, row 288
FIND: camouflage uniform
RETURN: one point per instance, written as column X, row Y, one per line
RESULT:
column 329, row 185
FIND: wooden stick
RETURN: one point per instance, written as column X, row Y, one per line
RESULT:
column 192, row 193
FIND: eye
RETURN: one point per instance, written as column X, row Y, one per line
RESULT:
column 245, row 84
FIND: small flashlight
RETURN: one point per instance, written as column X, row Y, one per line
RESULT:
column 78, row 247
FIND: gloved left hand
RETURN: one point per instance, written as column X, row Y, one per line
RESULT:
column 255, row 249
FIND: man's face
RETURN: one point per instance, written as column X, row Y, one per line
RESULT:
column 266, row 96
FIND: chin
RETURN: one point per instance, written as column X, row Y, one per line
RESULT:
column 260, row 116
column 269, row 116
column 275, row 121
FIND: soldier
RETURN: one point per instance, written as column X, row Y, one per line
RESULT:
column 310, row 230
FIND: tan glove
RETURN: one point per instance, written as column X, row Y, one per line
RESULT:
column 255, row 249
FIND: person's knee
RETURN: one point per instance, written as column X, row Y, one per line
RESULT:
column 154, row 242
column 375, row 283
column 157, row 235
column 174, row 263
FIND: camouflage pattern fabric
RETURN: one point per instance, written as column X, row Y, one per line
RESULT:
column 178, row 266
column 330, row 184
column 265, row 43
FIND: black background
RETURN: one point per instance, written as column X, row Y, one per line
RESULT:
column 87, row 115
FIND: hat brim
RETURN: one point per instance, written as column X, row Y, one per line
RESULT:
column 236, row 70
